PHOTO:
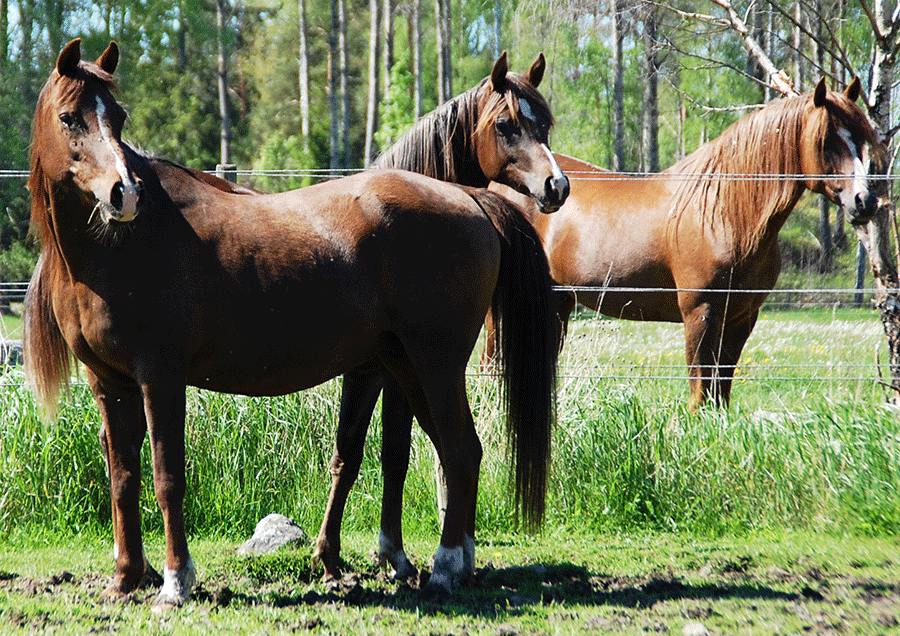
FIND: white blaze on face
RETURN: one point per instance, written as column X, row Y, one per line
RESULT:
column 860, row 173
column 557, row 172
column 129, row 187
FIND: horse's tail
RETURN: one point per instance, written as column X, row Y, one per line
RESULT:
column 47, row 358
column 525, row 322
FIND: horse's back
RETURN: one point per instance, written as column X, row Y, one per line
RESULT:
column 321, row 273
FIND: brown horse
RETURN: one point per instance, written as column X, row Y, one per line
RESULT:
column 156, row 279
column 496, row 131
column 708, row 226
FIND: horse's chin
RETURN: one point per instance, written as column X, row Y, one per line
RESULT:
column 111, row 215
column 545, row 207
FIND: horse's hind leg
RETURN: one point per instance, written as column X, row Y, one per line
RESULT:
column 395, row 446
column 439, row 401
column 121, row 436
column 359, row 393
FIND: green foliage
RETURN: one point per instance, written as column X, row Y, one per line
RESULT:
column 16, row 263
column 397, row 110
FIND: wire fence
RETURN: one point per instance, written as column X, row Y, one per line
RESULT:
column 605, row 330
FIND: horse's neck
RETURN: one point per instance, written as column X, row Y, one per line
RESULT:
column 754, row 209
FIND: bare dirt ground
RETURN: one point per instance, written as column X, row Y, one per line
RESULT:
column 722, row 595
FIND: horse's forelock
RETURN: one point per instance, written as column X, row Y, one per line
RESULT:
column 507, row 99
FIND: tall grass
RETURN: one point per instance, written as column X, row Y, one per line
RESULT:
column 627, row 454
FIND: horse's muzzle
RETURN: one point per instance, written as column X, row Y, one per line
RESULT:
column 125, row 199
column 556, row 191
column 866, row 205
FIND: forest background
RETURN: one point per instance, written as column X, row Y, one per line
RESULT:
column 322, row 85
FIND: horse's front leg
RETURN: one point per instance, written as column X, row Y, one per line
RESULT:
column 359, row 393
column 703, row 340
column 121, row 435
column 164, row 406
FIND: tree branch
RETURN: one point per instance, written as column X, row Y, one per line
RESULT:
column 778, row 79
column 876, row 28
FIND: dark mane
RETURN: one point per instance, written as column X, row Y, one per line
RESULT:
column 441, row 142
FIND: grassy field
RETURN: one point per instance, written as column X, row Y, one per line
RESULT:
column 780, row 515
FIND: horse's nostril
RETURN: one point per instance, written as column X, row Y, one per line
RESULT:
column 557, row 190
column 116, row 197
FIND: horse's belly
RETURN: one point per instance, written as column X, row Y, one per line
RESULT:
column 274, row 351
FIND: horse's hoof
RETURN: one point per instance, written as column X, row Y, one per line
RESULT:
column 113, row 594
column 437, row 590
column 403, row 569
column 176, row 588
column 117, row 590
column 161, row 608
column 447, row 572
column 151, row 577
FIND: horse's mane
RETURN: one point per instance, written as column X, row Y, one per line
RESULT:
column 443, row 139
column 48, row 361
column 767, row 142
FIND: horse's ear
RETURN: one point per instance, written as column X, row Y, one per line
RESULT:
column 536, row 73
column 498, row 73
column 68, row 59
column 853, row 89
column 819, row 94
column 109, row 59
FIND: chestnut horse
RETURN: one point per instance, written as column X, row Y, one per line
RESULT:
column 707, row 227
column 497, row 131
column 156, row 279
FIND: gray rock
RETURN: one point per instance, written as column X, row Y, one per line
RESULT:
column 271, row 533
column 694, row 628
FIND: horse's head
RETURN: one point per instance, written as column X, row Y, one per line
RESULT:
column 840, row 144
column 76, row 140
column 511, row 135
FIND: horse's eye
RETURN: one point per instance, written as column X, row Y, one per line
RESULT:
column 507, row 128
column 68, row 120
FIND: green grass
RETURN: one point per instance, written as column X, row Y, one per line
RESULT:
column 11, row 326
column 794, row 451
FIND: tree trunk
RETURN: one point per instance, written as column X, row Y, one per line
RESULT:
column 388, row 44
column 333, row 98
column 4, row 28
column 498, row 28
column 225, row 119
column 346, row 107
column 650, row 114
column 442, row 34
column 618, row 33
column 876, row 235
column 826, row 257
column 372, row 103
column 416, row 38
column 26, row 53
column 303, row 73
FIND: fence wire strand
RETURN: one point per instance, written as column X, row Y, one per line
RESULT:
column 15, row 291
